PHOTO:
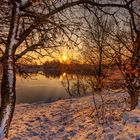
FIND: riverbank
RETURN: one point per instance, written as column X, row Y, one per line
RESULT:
column 78, row 119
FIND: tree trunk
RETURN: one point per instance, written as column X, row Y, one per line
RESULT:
column 100, row 61
column 135, row 61
column 134, row 97
column 8, row 97
column 8, row 94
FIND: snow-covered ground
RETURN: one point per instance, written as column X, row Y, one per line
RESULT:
column 78, row 119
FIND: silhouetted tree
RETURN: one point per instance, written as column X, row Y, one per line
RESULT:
column 123, row 43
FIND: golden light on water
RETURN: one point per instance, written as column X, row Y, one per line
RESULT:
column 62, row 77
column 64, row 74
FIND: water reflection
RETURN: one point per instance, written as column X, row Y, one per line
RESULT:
column 75, row 85
column 36, row 87
column 47, row 87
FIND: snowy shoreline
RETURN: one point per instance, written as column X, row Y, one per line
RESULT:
column 78, row 119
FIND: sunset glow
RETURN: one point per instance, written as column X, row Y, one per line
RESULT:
column 64, row 57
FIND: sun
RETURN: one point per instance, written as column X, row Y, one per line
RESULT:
column 65, row 57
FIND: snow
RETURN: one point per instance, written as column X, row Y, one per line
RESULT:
column 77, row 119
column 13, row 42
column 10, row 77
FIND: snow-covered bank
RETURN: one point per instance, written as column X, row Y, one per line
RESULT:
column 77, row 119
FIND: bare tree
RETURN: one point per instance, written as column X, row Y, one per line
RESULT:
column 124, row 44
column 98, row 26
column 126, row 39
column 128, row 62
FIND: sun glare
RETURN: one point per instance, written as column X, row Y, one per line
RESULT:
column 64, row 57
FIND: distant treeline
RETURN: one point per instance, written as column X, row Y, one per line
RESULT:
column 74, row 68
column 28, row 68
column 56, row 68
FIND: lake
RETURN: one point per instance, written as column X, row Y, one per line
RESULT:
column 39, row 87
column 42, row 86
